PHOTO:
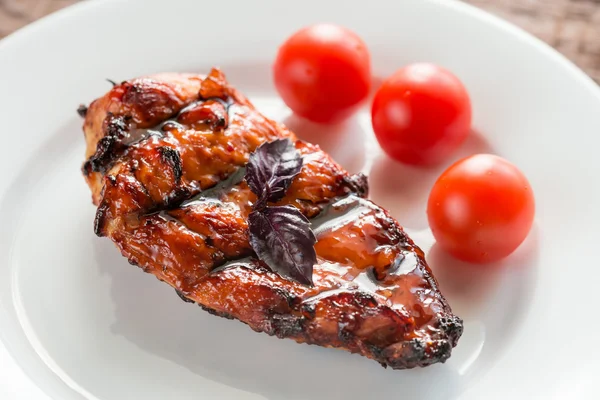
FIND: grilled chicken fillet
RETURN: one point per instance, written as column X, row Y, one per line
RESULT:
column 165, row 162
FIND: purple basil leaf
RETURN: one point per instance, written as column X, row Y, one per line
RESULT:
column 282, row 238
column 271, row 169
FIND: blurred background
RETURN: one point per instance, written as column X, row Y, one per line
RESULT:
column 571, row 26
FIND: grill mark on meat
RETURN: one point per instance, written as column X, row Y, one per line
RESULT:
column 172, row 158
column 116, row 129
column 82, row 110
column 100, row 221
column 358, row 183
column 182, row 297
column 215, row 312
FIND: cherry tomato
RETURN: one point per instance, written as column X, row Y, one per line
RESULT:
column 481, row 208
column 421, row 114
column 323, row 72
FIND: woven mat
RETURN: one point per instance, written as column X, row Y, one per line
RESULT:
column 571, row 26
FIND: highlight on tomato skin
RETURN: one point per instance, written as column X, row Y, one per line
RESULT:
column 481, row 209
column 421, row 114
column 323, row 72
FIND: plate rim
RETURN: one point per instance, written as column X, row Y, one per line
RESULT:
column 456, row 5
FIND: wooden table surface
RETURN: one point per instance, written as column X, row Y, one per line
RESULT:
column 571, row 26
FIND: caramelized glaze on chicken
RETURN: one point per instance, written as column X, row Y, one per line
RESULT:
column 165, row 164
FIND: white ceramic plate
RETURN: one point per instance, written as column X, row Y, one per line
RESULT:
column 82, row 323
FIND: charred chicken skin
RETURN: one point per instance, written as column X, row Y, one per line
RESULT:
column 165, row 162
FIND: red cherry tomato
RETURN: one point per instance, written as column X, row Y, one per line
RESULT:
column 481, row 208
column 323, row 72
column 421, row 114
